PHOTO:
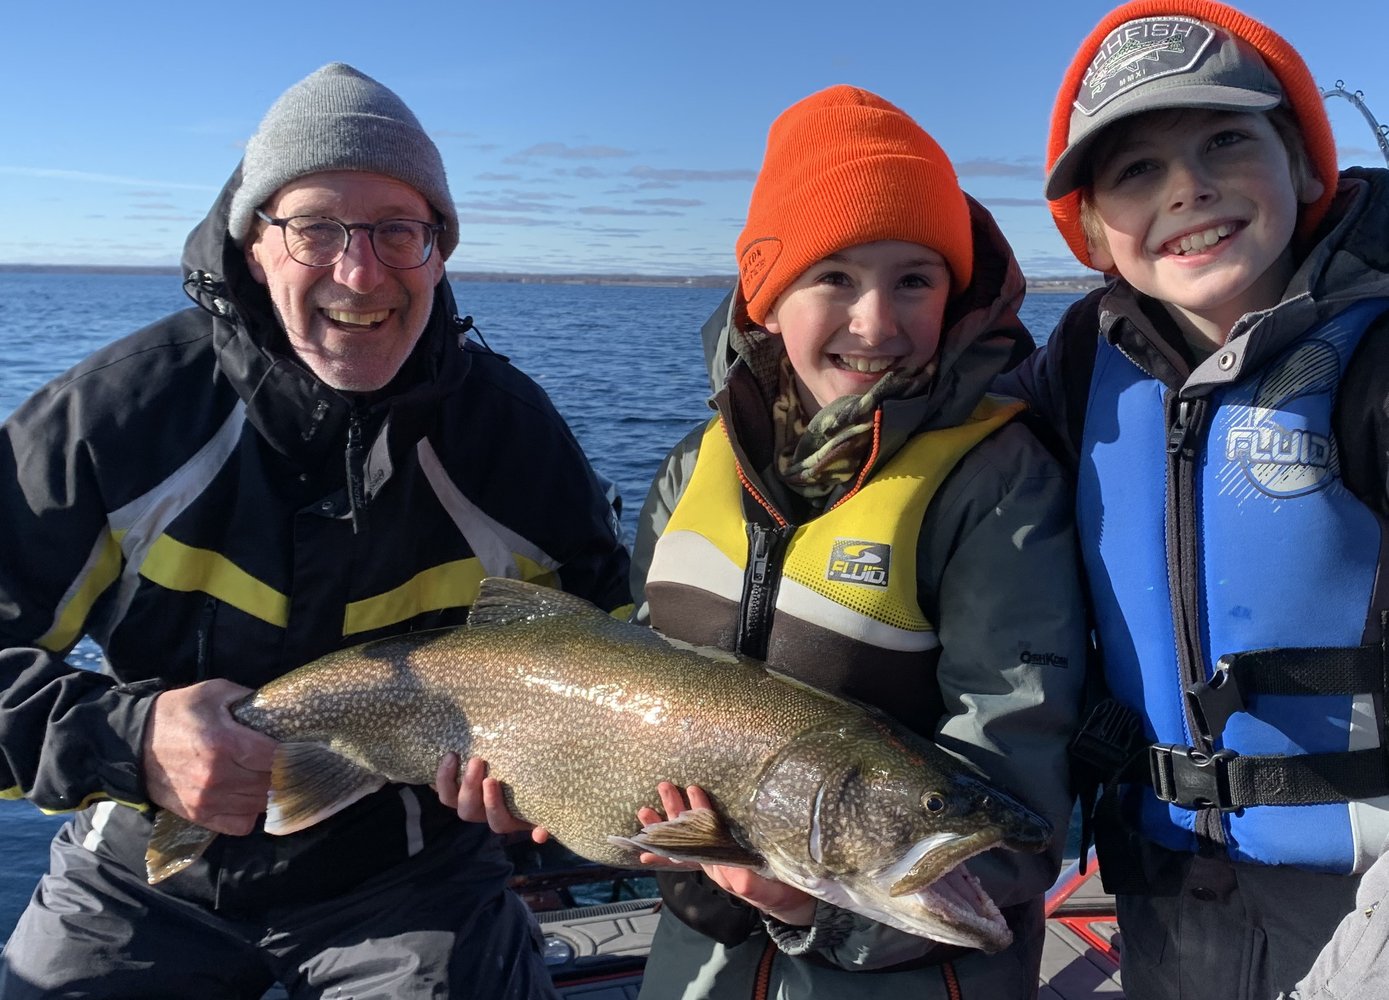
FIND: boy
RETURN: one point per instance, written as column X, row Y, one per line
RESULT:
column 1224, row 398
column 862, row 516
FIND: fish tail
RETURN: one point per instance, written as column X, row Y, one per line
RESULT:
column 175, row 843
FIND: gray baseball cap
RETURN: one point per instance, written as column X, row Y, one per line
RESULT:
column 1154, row 63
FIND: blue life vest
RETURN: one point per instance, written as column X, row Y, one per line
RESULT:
column 1284, row 556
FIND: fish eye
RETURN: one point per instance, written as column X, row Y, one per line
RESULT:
column 933, row 802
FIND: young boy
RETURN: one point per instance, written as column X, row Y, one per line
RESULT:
column 1225, row 400
column 864, row 517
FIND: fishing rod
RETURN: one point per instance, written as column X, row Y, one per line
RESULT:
column 1357, row 98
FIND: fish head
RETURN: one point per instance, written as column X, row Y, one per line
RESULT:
column 870, row 818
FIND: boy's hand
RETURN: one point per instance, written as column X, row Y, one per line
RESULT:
column 776, row 899
column 479, row 799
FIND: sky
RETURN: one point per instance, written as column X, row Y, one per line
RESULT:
column 582, row 136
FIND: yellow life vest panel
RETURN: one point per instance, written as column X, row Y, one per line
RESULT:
column 847, row 593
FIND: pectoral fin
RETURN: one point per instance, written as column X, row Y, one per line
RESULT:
column 175, row 843
column 309, row 782
column 696, row 836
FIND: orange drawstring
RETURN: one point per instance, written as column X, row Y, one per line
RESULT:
column 762, row 984
column 952, row 981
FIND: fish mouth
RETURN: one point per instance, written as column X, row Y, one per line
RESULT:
column 938, row 883
column 958, row 900
column 927, row 892
column 941, row 854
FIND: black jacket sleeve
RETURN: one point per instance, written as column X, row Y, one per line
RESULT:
column 67, row 734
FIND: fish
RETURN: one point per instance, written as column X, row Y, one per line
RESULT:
column 581, row 715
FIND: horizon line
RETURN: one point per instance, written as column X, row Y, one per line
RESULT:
column 1088, row 279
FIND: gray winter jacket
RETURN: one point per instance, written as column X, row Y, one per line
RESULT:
column 996, row 572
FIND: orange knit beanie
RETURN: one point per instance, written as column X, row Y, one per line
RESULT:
column 1300, row 94
column 844, row 167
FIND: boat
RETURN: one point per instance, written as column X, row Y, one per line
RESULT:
column 1080, row 958
column 598, row 923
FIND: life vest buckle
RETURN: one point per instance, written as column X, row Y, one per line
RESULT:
column 1187, row 777
column 1107, row 745
column 1213, row 701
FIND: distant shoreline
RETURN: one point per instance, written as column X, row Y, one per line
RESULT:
column 1069, row 284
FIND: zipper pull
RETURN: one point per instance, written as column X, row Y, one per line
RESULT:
column 761, row 554
column 1181, row 428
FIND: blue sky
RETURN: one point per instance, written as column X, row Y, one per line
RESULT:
column 598, row 137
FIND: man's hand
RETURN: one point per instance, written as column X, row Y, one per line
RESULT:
column 776, row 899
column 479, row 799
column 203, row 765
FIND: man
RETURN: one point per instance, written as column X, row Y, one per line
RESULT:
column 314, row 458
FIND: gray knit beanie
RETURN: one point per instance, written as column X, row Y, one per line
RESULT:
column 338, row 118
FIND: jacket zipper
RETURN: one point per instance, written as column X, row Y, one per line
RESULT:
column 203, row 655
column 1188, row 421
column 766, row 550
column 356, row 477
column 762, row 578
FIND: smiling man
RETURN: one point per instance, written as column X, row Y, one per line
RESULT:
column 314, row 458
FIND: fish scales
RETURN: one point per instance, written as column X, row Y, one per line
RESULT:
column 581, row 716
column 580, row 726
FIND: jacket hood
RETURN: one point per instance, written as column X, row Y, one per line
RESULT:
column 1351, row 256
column 983, row 336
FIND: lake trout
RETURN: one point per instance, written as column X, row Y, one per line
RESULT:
column 581, row 715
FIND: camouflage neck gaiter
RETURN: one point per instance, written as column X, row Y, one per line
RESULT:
column 814, row 457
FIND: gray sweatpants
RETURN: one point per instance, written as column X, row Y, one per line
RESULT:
column 428, row 928
column 1215, row 930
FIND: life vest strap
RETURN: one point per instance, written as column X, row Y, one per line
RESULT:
column 1225, row 780
column 1321, row 670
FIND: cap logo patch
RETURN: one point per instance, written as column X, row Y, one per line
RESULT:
column 756, row 263
column 863, row 563
column 1138, row 52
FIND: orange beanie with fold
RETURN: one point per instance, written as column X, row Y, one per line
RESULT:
column 1300, row 93
column 844, row 167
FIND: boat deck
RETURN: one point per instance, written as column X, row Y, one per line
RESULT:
column 1080, row 959
column 597, row 952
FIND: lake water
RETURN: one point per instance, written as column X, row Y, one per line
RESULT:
column 623, row 364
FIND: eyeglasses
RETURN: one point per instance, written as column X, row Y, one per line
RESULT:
column 318, row 241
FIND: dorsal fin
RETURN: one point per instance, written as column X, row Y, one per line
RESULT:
column 503, row 602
